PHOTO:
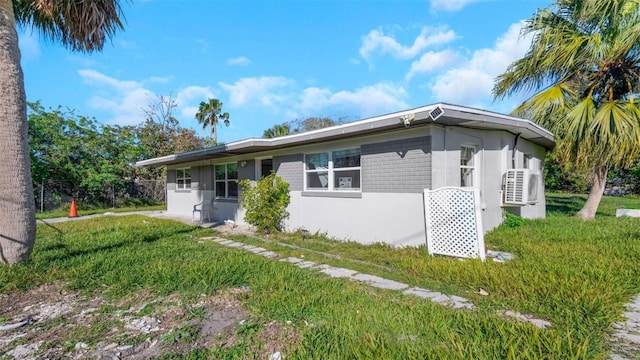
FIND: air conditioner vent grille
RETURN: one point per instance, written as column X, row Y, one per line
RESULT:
column 520, row 187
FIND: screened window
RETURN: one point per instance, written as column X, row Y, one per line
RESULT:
column 467, row 165
column 183, row 179
column 226, row 180
column 333, row 170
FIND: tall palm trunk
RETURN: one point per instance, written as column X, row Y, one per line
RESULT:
column 598, row 183
column 17, row 222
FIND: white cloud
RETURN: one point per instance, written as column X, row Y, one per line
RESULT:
column 189, row 99
column 450, row 5
column 204, row 45
column 158, row 79
column 471, row 82
column 377, row 41
column 366, row 101
column 283, row 97
column 431, row 61
column 240, row 60
column 125, row 99
column 266, row 90
column 97, row 78
column 29, row 45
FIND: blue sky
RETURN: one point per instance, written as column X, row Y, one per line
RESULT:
column 275, row 61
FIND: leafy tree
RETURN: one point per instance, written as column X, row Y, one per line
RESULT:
column 80, row 152
column 584, row 64
column 277, row 131
column 300, row 125
column 161, row 134
column 266, row 203
column 79, row 25
column 210, row 114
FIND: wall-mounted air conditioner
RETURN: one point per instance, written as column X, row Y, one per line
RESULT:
column 520, row 187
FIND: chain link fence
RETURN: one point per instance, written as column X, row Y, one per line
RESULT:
column 57, row 194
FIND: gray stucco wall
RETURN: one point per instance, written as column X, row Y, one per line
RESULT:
column 289, row 168
column 399, row 166
column 248, row 171
column 395, row 168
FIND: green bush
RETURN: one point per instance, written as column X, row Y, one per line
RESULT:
column 266, row 203
column 512, row 220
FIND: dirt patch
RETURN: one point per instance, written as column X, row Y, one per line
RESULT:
column 49, row 322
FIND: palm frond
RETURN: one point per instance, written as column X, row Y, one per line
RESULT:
column 81, row 25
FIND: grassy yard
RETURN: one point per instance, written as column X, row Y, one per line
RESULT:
column 64, row 212
column 575, row 274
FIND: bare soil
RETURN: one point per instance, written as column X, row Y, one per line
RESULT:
column 50, row 322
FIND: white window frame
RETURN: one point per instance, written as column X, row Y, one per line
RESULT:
column 472, row 167
column 184, row 178
column 226, row 181
column 330, row 170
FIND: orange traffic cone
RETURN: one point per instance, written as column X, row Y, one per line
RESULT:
column 73, row 212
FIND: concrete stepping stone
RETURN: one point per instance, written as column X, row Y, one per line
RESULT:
column 625, row 340
column 257, row 250
column 456, row 302
column 293, row 260
column 379, row 282
column 305, row 264
column 234, row 244
column 269, row 254
column 540, row 323
column 338, row 272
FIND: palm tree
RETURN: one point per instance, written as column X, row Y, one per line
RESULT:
column 209, row 114
column 584, row 69
column 79, row 25
column 277, row 131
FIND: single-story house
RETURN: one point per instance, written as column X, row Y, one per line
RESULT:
column 364, row 181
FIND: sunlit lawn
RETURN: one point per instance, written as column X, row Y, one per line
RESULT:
column 575, row 274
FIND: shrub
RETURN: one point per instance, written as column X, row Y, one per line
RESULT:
column 266, row 203
column 511, row 220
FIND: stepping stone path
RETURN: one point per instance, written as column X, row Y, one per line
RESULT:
column 625, row 342
column 456, row 302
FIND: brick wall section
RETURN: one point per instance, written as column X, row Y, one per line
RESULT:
column 399, row 166
column 289, row 168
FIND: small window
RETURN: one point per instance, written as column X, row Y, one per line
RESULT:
column 183, row 179
column 333, row 170
column 467, row 165
column 226, row 180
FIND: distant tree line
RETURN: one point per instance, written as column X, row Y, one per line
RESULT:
column 300, row 125
column 84, row 155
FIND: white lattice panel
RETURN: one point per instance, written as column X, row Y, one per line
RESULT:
column 454, row 224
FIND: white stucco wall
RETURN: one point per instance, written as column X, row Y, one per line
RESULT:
column 396, row 219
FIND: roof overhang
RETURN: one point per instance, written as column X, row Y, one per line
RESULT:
column 453, row 115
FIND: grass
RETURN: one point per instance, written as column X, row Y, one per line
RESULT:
column 64, row 211
column 576, row 274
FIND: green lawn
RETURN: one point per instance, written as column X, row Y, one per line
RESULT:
column 575, row 274
column 94, row 210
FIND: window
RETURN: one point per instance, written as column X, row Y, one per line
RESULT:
column 333, row 170
column 226, row 181
column 183, row 179
column 467, row 165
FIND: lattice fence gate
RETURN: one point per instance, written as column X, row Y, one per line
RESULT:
column 453, row 222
